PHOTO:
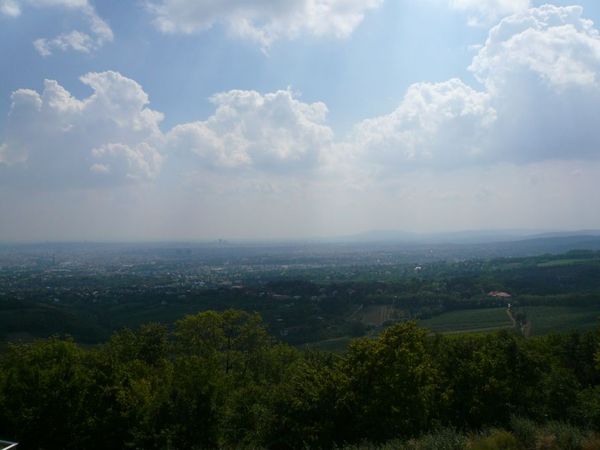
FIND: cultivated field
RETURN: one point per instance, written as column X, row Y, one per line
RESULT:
column 377, row 315
column 469, row 320
column 548, row 319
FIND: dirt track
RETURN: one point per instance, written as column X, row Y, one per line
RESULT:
column 525, row 328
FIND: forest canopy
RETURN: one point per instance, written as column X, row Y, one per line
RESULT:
column 219, row 380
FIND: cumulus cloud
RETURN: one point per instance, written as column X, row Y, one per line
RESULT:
column 540, row 100
column 55, row 139
column 263, row 21
column 436, row 124
column 99, row 31
column 271, row 132
column 555, row 44
column 112, row 137
column 541, row 69
column 484, row 12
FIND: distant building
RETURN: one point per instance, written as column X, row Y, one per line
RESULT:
column 499, row 294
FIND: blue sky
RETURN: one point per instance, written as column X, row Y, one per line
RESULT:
column 306, row 118
column 392, row 48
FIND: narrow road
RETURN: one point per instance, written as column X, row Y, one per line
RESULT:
column 525, row 328
column 511, row 317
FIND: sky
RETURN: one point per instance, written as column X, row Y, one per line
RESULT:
column 294, row 119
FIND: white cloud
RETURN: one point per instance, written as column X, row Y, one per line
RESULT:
column 272, row 132
column 100, row 31
column 110, row 137
column 263, row 21
column 485, row 12
column 532, row 107
column 552, row 43
column 436, row 124
column 124, row 162
column 541, row 68
column 14, row 7
column 540, row 101
column 10, row 8
column 74, row 40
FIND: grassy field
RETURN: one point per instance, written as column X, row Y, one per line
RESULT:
column 465, row 321
column 544, row 319
column 377, row 315
column 564, row 262
column 548, row 319
column 469, row 320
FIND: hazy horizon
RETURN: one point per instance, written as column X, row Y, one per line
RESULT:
column 365, row 237
column 192, row 120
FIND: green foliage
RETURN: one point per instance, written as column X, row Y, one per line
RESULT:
column 525, row 430
column 47, row 389
column 390, row 384
column 233, row 340
column 218, row 380
column 566, row 436
column 443, row 439
column 588, row 402
column 484, row 378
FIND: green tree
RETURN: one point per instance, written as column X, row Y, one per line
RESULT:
column 48, row 395
column 233, row 341
column 391, row 384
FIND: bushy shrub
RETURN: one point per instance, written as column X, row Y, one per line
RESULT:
column 495, row 440
column 525, row 430
column 443, row 439
column 567, row 437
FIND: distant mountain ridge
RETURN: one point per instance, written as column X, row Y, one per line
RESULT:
column 462, row 237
